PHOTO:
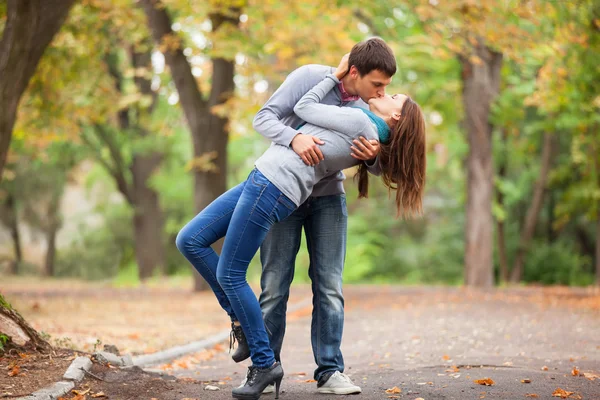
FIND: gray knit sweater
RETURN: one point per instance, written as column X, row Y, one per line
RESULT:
column 334, row 125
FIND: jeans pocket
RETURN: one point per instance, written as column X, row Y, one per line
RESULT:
column 283, row 208
column 258, row 179
column 283, row 199
column 343, row 205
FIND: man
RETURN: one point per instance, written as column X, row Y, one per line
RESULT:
column 323, row 216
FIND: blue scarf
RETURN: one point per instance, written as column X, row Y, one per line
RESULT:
column 383, row 130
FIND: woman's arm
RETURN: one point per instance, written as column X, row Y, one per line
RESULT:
column 345, row 120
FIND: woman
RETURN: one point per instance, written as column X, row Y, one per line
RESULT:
column 279, row 184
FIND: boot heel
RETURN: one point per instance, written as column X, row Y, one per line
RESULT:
column 277, row 385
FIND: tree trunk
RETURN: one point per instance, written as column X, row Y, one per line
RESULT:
column 30, row 27
column 148, row 217
column 13, row 222
column 481, row 81
column 598, row 245
column 534, row 209
column 51, row 231
column 503, row 259
column 21, row 334
column 209, row 133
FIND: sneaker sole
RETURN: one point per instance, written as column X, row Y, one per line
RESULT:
column 339, row 391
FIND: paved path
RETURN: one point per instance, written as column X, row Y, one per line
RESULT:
column 411, row 339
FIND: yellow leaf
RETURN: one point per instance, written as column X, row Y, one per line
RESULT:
column 395, row 389
column 485, row 382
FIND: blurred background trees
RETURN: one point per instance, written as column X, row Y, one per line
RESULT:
column 138, row 114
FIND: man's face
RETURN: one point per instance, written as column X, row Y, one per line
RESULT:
column 371, row 85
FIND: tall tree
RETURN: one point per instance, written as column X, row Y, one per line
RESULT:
column 132, row 177
column 30, row 27
column 480, row 35
column 208, row 129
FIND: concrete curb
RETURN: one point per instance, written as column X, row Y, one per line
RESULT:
column 73, row 375
column 173, row 353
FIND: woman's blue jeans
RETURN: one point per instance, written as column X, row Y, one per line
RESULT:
column 245, row 213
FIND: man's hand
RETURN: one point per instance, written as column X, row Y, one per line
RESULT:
column 342, row 69
column 307, row 148
column 364, row 149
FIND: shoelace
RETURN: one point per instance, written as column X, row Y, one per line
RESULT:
column 344, row 377
column 252, row 373
column 234, row 335
column 231, row 340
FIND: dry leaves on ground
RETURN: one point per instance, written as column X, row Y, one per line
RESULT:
column 454, row 369
column 485, row 381
column 575, row 371
column 394, row 390
column 525, row 380
column 563, row 394
column 14, row 371
column 532, row 395
column 591, row 376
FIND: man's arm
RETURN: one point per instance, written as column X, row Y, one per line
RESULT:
column 268, row 123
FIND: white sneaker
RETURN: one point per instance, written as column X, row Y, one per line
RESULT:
column 339, row 383
column 268, row 389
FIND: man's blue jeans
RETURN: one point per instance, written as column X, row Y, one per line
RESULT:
column 324, row 220
column 245, row 213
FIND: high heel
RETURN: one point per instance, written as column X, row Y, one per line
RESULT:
column 277, row 385
column 257, row 380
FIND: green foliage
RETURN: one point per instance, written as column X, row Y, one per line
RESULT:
column 548, row 86
column 557, row 263
column 101, row 252
column 3, row 341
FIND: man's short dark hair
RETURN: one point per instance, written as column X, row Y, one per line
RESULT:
column 371, row 54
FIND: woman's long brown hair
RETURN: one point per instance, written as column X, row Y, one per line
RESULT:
column 403, row 162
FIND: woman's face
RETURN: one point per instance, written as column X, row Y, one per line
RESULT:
column 388, row 106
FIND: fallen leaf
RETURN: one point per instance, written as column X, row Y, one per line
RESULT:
column 80, row 392
column 563, row 394
column 99, row 394
column 485, row 381
column 544, row 368
column 395, row 389
column 14, row 371
column 218, row 347
column 446, row 357
column 310, row 381
column 532, row 395
column 78, row 397
column 591, row 376
column 453, row 368
column 575, row 371
column 525, row 380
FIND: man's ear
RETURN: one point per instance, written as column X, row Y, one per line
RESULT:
column 354, row 74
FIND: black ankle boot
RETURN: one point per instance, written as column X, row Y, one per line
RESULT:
column 258, row 380
column 243, row 351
